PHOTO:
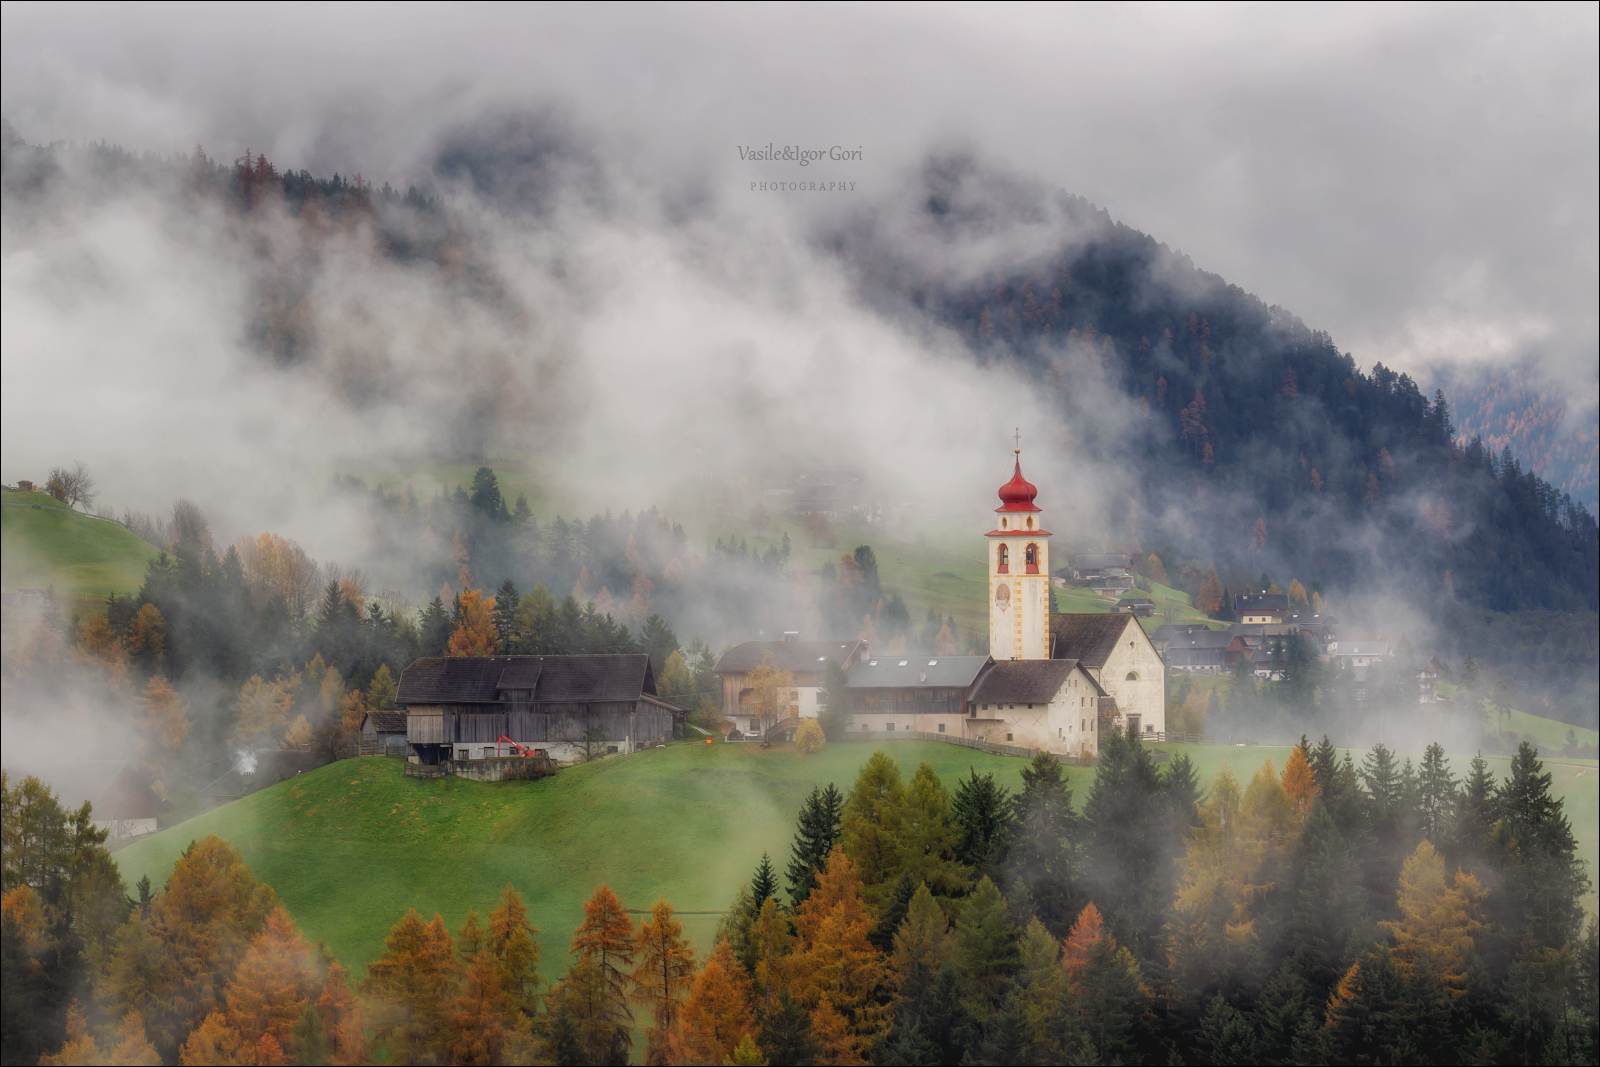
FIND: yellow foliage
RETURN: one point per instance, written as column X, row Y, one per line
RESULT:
column 1298, row 782
column 261, row 710
column 1438, row 921
column 808, row 739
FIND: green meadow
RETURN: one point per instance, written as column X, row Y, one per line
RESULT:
column 351, row 846
column 44, row 545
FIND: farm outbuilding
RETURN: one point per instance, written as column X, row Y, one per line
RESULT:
column 460, row 707
column 383, row 733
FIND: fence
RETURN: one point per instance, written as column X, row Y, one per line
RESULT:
column 879, row 736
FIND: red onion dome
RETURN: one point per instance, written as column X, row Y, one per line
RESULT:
column 1018, row 493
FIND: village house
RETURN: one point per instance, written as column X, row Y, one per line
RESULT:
column 1358, row 655
column 806, row 662
column 465, row 707
column 1427, row 666
column 1198, row 650
column 1261, row 608
column 1141, row 606
column 1107, row 573
column 1052, row 704
column 926, row 694
column 122, row 797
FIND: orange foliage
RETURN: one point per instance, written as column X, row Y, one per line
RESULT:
column 1081, row 939
column 475, row 635
column 1299, row 782
column 606, row 938
column 718, row 1012
column 835, row 959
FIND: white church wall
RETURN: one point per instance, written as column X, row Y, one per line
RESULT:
column 1145, row 694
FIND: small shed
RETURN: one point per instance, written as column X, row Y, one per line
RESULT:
column 383, row 733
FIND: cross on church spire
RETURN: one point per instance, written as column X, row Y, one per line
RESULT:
column 1017, row 437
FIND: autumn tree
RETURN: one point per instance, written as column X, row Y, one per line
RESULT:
column 475, row 634
column 413, row 981
column 477, row 1014
column 772, row 694
column 512, row 940
column 808, row 737
column 663, row 977
column 718, row 1013
column 343, row 1019
column 1438, row 920
column 1209, row 598
column 835, row 960
column 873, row 823
column 273, row 983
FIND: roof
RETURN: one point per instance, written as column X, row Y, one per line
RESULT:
column 557, row 679
column 1093, row 561
column 917, row 672
column 1200, row 639
column 1024, row 681
column 1134, row 600
column 1087, row 638
column 1261, row 602
column 788, row 655
column 1363, row 648
column 1167, row 631
column 387, row 722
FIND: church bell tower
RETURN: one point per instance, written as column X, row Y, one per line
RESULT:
column 1019, row 574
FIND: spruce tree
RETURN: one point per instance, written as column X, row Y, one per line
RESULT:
column 765, row 882
column 985, row 815
column 1436, row 793
column 506, row 599
column 814, row 838
column 1044, row 853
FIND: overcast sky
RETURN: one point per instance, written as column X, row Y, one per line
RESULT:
column 1420, row 181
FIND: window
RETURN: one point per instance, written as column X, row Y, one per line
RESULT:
column 1005, row 558
column 1133, row 676
column 864, row 726
column 1030, row 556
column 889, row 727
column 1008, row 737
column 941, row 728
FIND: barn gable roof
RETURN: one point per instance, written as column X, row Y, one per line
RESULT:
column 1087, row 638
column 387, row 722
column 553, row 679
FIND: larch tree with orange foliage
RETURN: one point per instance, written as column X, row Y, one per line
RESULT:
column 607, row 938
column 163, row 724
column 413, row 980
column 718, row 1012
column 343, row 1019
column 475, row 634
column 663, row 977
column 1298, row 782
column 478, row 1013
column 836, row 960
column 1438, row 920
column 273, row 984
column 512, row 940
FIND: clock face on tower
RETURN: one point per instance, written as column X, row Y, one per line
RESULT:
column 1002, row 596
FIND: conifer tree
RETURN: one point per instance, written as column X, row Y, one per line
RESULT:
column 607, row 938
column 663, row 977
column 765, row 882
column 1043, row 853
column 718, row 1013
column 477, row 1014
column 927, row 843
column 273, row 984
column 512, row 940
column 1041, row 982
column 986, row 950
column 817, row 833
column 873, row 822
column 343, row 1020
column 923, row 943
column 415, row 977
column 835, row 958
column 984, row 814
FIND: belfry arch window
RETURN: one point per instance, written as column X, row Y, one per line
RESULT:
column 1005, row 559
column 1030, row 556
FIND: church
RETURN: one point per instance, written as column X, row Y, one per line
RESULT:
column 1050, row 681
column 1057, row 680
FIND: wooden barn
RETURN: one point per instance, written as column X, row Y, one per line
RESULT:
column 459, row 707
column 383, row 732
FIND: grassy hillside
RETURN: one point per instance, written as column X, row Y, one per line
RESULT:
column 351, row 846
column 79, row 555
